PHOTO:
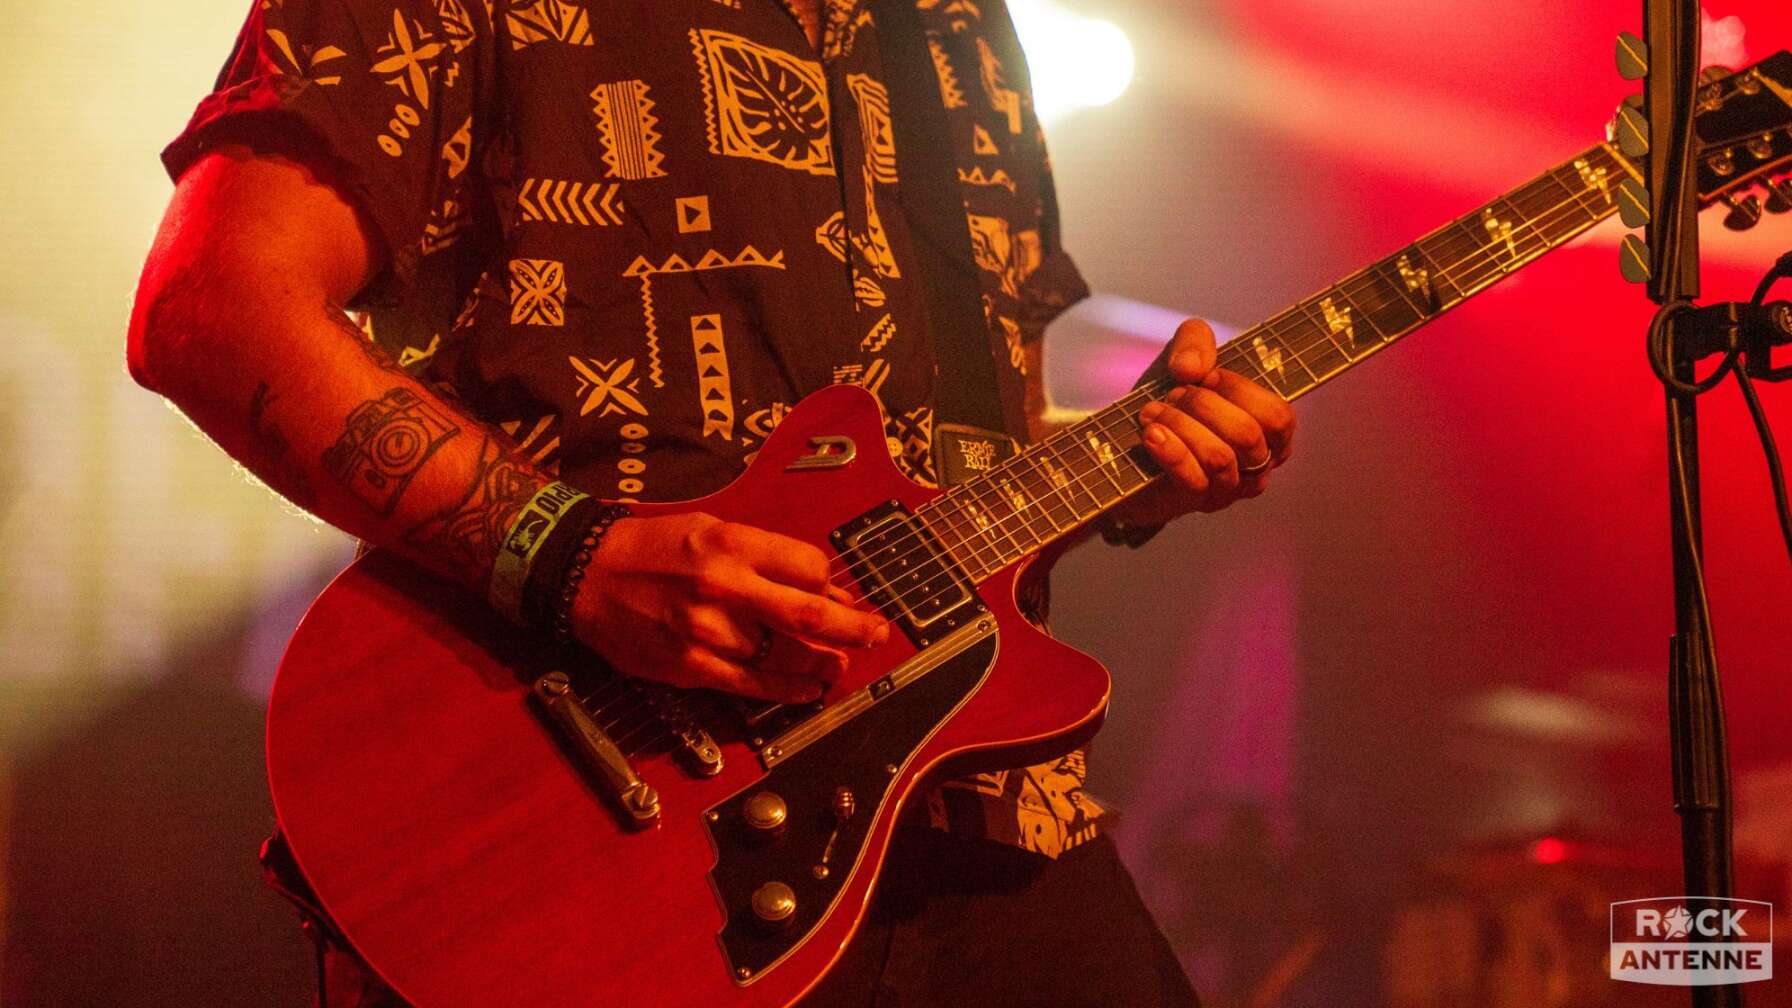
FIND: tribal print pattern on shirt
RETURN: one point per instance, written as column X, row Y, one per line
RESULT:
column 634, row 235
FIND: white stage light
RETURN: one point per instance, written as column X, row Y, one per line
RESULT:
column 1077, row 62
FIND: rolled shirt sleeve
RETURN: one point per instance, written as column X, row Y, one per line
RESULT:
column 384, row 96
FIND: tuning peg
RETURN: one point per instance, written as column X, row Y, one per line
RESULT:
column 1632, row 129
column 1779, row 195
column 1744, row 213
column 1633, row 57
column 1633, row 203
column 1714, row 73
column 1633, row 259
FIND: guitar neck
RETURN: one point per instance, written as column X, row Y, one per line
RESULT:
column 1054, row 486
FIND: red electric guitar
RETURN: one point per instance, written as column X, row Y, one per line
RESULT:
column 491, row 822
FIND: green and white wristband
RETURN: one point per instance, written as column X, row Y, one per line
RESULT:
column 545, row 511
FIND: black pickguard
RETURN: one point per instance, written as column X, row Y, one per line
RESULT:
column 858, row 755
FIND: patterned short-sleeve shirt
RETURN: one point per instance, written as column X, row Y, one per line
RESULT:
column 633, row 234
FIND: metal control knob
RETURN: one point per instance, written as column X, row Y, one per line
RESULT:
column 844, row 804
column 774, row 903
column 765, row 812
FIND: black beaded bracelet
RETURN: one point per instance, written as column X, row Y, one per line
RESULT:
column 547, row 569
column 574, row 576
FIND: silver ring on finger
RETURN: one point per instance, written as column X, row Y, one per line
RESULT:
column 1258, row 469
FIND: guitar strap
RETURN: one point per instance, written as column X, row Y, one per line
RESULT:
column 975, row 425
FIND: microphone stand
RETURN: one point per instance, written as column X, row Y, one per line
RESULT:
column 1695, row 698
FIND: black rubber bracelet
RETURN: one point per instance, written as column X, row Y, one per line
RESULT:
column 548, row 568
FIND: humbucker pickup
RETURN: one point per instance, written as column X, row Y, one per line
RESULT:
column 906, row 573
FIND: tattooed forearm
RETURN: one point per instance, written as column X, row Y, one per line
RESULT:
column 281, row 470
column 469, row 533
column 363, row 340
column 386, row 442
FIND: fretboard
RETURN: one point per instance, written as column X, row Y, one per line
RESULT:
column 1059, row 483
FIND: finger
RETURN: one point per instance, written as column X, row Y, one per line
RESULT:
column 778, row 557
column 1192, row 351
column 1220, row 415
column 1217, row 458
column 1177, row 462
column 812, row 617
column 1270, row 410
column 715, row 629
column 714, row 672
column 800, row 660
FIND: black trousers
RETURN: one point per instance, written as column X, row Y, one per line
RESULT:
column 955, row 921
column 960, row 921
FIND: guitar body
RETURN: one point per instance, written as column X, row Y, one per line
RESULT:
column 476, row 853
column 473, row 860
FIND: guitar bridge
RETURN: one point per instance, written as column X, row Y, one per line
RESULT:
column 639, row 802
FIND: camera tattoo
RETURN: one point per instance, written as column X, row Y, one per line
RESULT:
column 386, row 443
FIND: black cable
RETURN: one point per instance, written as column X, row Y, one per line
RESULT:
column 1776, row 474
column 1781, row 269
column 1661, row 353
column 1661, row 361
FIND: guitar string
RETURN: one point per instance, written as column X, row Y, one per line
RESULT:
column 1496, row 265
column 1324, row 345
column 1102, row 419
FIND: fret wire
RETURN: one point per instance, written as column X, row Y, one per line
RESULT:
column 1312, row 316
column 1392, row 312
column 1357, row 314
column 1241, row 356
column 1105, row 465
column 1519, row 238
column 1581, row 193
column 1315, row 316
column 949, row 544
column 1280, row 353
column 1376, row 280
column 1567, row 177
column 1477, row 243
column 996, row 521
column 972, row 509
column 1079, row 478
column 1437, row 273
column 1013, row 490
column 1553, row 189
column 1392, row 262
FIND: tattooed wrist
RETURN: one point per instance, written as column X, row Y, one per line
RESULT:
column 468, row 534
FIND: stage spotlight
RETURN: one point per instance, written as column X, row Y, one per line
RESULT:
column 1077, row 62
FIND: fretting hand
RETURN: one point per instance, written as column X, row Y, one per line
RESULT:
column 1217, row 435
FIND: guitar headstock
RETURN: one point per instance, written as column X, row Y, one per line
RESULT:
column 1744, row 130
